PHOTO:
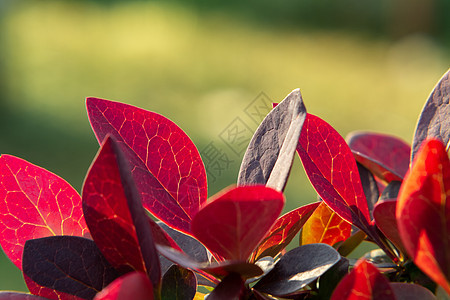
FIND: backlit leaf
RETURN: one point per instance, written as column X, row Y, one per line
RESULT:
column 423, row 212
column 434, row 121
column 115, row 216
column 35, row 203
column 332, row 170
column 271, row 151
column 134, row 285
column 363, row 282
column 283, row 231
column 297, row 268
column 233, row 223
column 178, row 284
column 173, row 183
column 386, row 156
column 325, row 226
column 72, row 265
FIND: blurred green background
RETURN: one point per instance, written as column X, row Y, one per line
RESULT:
column 361, row 65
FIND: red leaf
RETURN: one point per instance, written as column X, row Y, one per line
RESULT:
column 385, row 155
column 46, row 292
column 384, row 216
column 283, row 231
column 332, row 170
column 115, row 216
column 173, row 184
column 35, row 203
column 423, row 212
column 325, row 226
column 135, row 285
column 232, row 224
column 363, row 282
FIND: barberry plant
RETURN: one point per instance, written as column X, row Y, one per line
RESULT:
column 144, row 228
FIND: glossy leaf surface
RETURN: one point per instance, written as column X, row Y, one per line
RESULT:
column 364, row 282
column 271, row 151
column 385, row 220
column 408, row 291
column 384, row 155
column 297, row 268
column 35, row 203
column 332, row 170
column 423, row 212
column 284, row 230
column 235, row 222
column 173, row 183
column 434, row 121
column 325, row 226
column 115, row 216
column 134, row 285
column 331, row 278
column 179, row 284
column 72, row 265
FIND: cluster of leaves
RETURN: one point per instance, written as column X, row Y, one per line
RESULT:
column 106, row 244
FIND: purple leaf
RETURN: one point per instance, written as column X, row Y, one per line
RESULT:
column 178, row 283
column 271, row 151
column 173, row 182
column 19, row 296
column 230, row 288
column 69, row 264
column 434, row 121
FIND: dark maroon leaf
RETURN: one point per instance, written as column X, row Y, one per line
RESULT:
column 434, row 121
column 297, row 268
column 332, row 170
column 173, row 182
column 386, row 156
column 370, row 187
column 330, row 279
column 115, row 216
column 35, row 203
column 271, row 151
column 363, row 282
column 220, row 270
column 283, row 231
column 233, row 223
column 72, row 265
column 18, row 296
column 408, row 291
column 178, row 284
column 391, row 191
column 230, row 288
column 384, row 216
column 132, row 286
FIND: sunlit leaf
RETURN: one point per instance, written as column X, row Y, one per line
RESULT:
column 364, row 282
column 233, row 223
column 134, row 285
column 173, row 183
column 423, row 212
column 69, row 264
column 325, row 226
column 283, row 231
column 331, row 278
column 35, row 203
column 434, row 121
column 271, row 151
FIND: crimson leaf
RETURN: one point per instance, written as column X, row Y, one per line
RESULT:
column 35, row 203
column 115, row 215
column 72, row 265
column 270, row 154
column 173, row 183
column 134, row 285
column 233, row 223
